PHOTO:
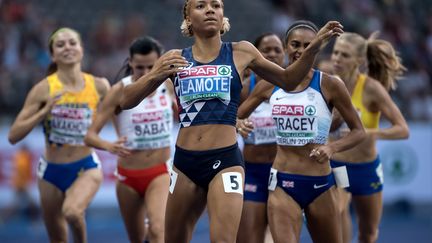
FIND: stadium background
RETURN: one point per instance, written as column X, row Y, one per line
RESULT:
column 107, row 28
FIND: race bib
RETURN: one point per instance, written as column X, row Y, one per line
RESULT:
column 151, row 130
column 296, row 125
column 41, row 168
column 264, row 131
column 204, row 83
column 69, row 123
column 232, row 182
column 272, row 179
column 173, row 180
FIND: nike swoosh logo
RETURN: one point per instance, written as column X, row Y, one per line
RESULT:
column 283, row 97
column 319, row 186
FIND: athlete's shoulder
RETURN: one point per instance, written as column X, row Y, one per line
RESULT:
column 42, row 86
column 242, row 46
column 331, row 80
column 373, row 86
column 40, row 91
column 117, row 87
column 102, row 85
column 332, row 86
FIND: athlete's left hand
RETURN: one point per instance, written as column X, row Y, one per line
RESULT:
column 331, row 29
column 244, row 127
column 321, row 154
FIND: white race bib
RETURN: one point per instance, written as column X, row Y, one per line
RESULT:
column 69, row 125
column 233, row 182
column 204, row 83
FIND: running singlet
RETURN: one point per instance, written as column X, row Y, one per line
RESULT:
column 301, row 117
column 264, row 131
column 71, row 116
column 148, row 125
column 369, row 119
column 208, row 93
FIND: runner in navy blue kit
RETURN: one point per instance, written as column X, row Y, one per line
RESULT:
column 143, row 146
column 369, row 95
column 259, row 150
column 208, row 166
column 301, row 179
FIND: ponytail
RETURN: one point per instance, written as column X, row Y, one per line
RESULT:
column 384, row 63
column 52, row 68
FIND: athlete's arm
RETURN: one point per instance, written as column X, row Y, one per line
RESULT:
column 105, row 112
column 170, row 89
column 36, row 106
column 245, row 90
column 289, row 78
column 337, row 94
column 260, row 93
column 384, row 103
column 102, row 86
column 341, row 100
column 337, row 121
column 166, row 66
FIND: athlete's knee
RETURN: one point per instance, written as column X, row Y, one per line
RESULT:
column 370, row 236
column 156, row 229
column 73, row 214
column 178, row 234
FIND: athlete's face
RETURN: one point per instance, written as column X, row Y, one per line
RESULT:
column 205, row 16
column 272, row 49
column 297, row 42
column 66, row 48
column 142, row 64
column 344, row 58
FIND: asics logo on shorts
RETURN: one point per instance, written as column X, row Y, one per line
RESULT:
column 216, row 164
column 319, row 186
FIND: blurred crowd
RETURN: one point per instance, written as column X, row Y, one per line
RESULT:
column 26, row 26
column 406, row 24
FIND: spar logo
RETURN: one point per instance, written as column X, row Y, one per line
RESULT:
column 224, row 70
column 291, row 110
column 310, row 110
column 205, row 71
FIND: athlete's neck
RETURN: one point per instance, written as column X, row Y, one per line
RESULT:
column 71, row 76
column 206, row 50
column 350, row 80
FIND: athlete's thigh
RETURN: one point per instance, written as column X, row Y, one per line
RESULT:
column 323, row 218
column 253, row 222
column 369, row 211
column 285, row 216
column 343, row 199
column 132, row 210
column 83, row 189
column 184, row 207
column 156, row 198
column 343, row 205
column 51, row 199
column 225, row 202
